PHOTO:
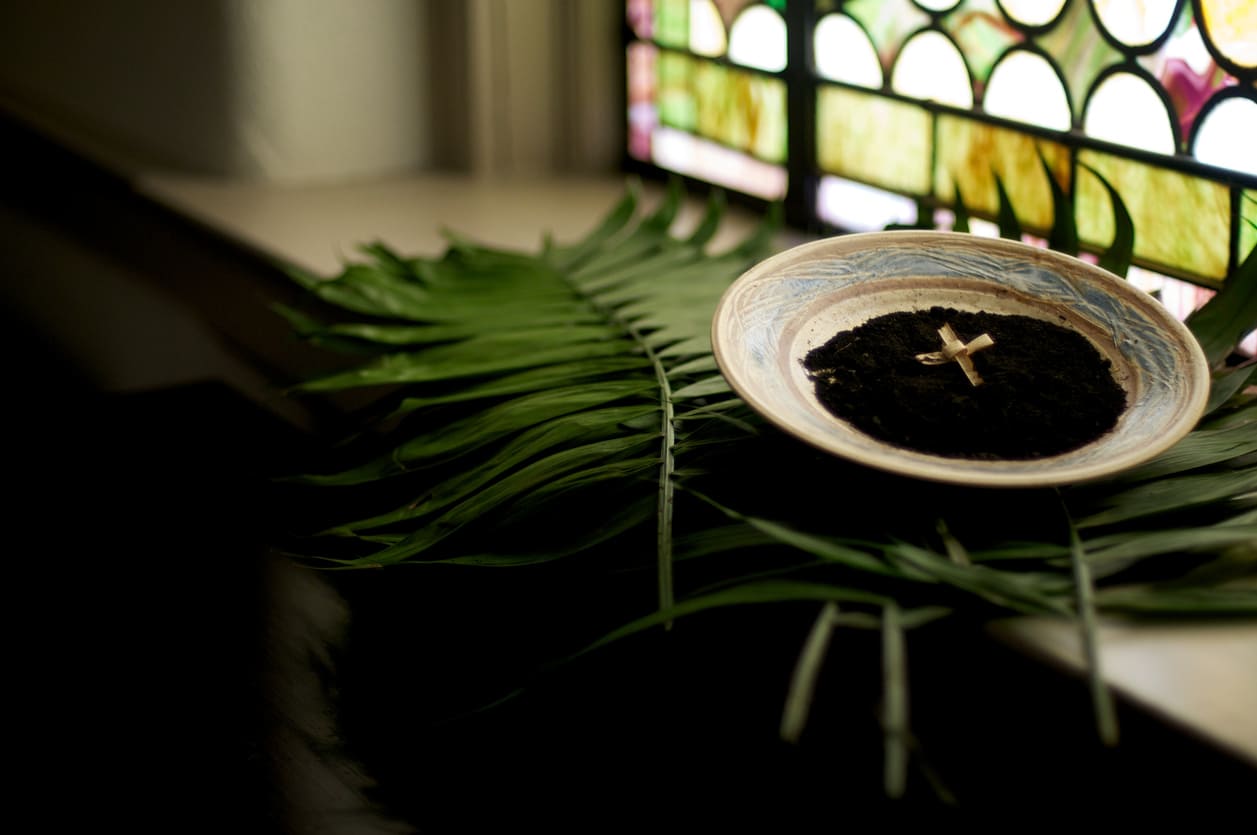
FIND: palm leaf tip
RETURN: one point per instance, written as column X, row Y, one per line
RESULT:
column 1229, row 316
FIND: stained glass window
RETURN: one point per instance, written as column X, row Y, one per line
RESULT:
column 862, row 113
column 707, row 96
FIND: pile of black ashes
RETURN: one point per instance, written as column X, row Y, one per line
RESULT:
column 1046, row 389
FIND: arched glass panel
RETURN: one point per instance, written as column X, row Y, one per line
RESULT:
column 1032, row 13
column 707, row 30
column 1025, row 87
column 938, row 5
column 1227, row 134
column 1126, row 110
column 931, row 68
column 843, row 52
column 1135, row 23
column 758, row 39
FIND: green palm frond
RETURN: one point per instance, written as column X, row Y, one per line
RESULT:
column 564, row 406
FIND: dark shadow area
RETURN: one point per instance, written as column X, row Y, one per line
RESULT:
column 177, row 674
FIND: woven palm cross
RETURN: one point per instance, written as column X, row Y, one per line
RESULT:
column 956, row 350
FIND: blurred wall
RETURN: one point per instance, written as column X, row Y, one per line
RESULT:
column 300, row 91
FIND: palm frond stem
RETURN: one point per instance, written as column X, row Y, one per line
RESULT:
column 667, row 463
column 1101, row 698
column 895, row 703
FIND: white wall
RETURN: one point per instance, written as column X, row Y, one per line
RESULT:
column 328, row 89
column 301, row 91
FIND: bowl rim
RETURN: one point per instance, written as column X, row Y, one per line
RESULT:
column 912, row 463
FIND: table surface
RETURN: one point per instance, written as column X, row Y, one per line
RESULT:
column 1203, row 677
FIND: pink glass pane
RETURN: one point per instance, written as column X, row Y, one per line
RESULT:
column 640, row 16
column 642, row 114
column 1186, row 71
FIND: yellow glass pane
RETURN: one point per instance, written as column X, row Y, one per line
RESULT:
column 1248, row 223
column 971, row 153
column 765, row 119
column 875, row 140
column 1181, row 222
column 711, row 90
column 742, row 110
column 1232, row 27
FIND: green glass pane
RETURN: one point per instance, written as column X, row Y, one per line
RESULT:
column 741, row 110
column 979, row 29
column 672, row 23
column 1181, row 222
column 972, row 153
column 674, row 79
column 1248, row 224
column 888, row 22
column 1078, row 48
column 880, row 141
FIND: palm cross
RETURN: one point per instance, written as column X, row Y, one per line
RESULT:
column 954, row 350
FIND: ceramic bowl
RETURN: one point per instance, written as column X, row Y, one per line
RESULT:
column 780, row 309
